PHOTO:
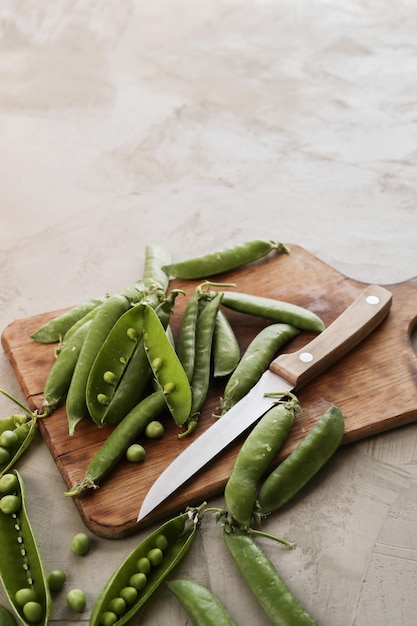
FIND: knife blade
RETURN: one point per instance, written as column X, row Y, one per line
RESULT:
column 288, row 372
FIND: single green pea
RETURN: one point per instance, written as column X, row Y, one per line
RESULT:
column 33, row 611
column 157, row 363
column 155, row 556
column 169, row 387
column 110, row 377
column 8, row 439
column 10, row 504
column 80, row 544
column 129, row 594
column 132, row 333
column 161, row 542
column 8, row 483
column 108, row 618
column 138, row 580
column 4, row 455
column 25, row 595
column 56, row 579
column 144, row 565
column 135, row 453
column 154, row 430
column 118, row 606
column 76, row 600
column 102, row 398
column 22, row 431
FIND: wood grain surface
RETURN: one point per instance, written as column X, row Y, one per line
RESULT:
column 374, row 385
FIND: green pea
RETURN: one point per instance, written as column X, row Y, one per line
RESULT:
column 157, row 363
column 33, row 611
column 56, row 579
column 25, row 595
column 135, row 453
column 138, row 580
column 169, row 387
column 144, row 565
column 155, row 556
column 103, row 399
column 132, row 333
column 108, row 618
column 118, row 606
column 110, row 377
column 4, row 455
column 154, row 430
column 10, row 504
column 161, row 542
column 8, row 439
column 80, row 544
column 76, row 600
column 22, row 432
column 129, row 594
column 8, row 483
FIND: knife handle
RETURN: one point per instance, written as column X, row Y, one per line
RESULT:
column 349, row 329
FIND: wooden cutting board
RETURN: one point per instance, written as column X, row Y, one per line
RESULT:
column 375, row 386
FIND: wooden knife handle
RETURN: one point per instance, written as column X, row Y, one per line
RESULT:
column 348, row 330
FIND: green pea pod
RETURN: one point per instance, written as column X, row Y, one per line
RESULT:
column 275, row 310
column 200, row 604
column 224, row 260
column 106, row 316
column 186, row 338
column 203, row 349
column 25, row 435
column 255, row 360
column 155, row 258
column 60, row 374
column 117, row 442
column 304, row 462
column 145, row 568
column 166, row 367
column 20, row 563
column 268, row 587
column 111, row 361
column 254, row 457
column 12, row 421
column 55, row 329
column 226, row 349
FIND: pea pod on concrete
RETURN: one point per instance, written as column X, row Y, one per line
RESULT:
column 254, row 457
column 21, row 568
column 299, row 467
column 16, row 434
column 223, row 260
column 262, row 578
column 166, row 366
column 144, row 569
column 200, row 604
column 274, row 310
column 255, row 360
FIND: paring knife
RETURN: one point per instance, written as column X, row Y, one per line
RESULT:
column 287, row 372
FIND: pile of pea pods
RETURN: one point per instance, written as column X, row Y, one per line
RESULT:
column 111, row 350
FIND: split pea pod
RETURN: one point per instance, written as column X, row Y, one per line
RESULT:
column 303, row 463
column 255, row 360
column 60, row 374
column 274, row 310
column 115, row 445
column 55, row 329
column 203, row 348
column 166, row 366
column 200, row 604
column 111, row 360
column 21, row 568
column 143, row 570
column 254, row 458
column 105, row 318
column 224, row 260
column 262, row 578
column 138, row 372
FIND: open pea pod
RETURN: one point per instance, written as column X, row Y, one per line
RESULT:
column 144, row 569
column 166, row 367
column 24, row 434
column 21, row 569
column 111, row 361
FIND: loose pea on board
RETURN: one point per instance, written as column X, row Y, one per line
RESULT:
column 224, row 260
column 178, row 534
column 167, row 368
column 21, row 566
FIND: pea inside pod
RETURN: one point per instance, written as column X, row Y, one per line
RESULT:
column 166, row 366
column 21, row 566
column 144, row 569
column 17, row 432
column 200, row 604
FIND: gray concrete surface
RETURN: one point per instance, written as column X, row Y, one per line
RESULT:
column 199, row 125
